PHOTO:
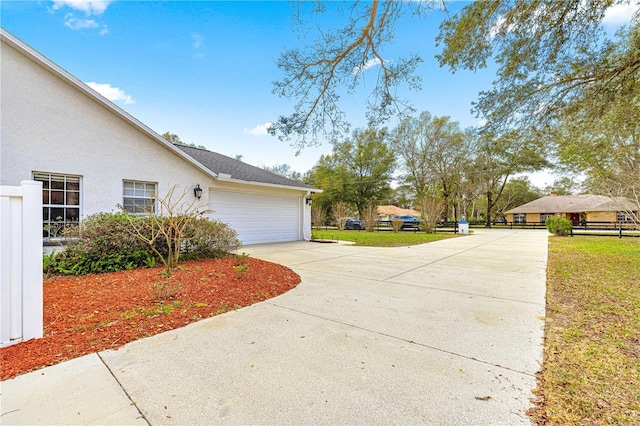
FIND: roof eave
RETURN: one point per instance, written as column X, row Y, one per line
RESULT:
column 221, row 178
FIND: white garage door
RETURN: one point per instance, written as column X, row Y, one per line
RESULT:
column 258, row 218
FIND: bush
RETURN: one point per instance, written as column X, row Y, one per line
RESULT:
column 396, row 224
column 104, row 243
column 209, row 239
column 101, row 243
column 558, row 225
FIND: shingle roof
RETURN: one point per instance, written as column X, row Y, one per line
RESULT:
column 571, row 204
column 221, row 164
column 394, row 210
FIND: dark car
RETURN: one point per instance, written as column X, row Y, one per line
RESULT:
column 409, row 221
column 355, row 224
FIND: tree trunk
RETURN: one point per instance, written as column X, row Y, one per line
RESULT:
column 489, row 208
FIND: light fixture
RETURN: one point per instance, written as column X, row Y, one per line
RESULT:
column 197, row 191
column 308, row 200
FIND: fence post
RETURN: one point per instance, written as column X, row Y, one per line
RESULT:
column 32, row 297
column 21, row 262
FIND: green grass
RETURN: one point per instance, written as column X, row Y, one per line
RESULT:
column 380, row 238
column 591, row 371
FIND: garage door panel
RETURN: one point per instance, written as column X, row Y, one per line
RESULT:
column 258, row 218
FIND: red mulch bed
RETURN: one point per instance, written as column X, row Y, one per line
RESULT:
column 92, row 313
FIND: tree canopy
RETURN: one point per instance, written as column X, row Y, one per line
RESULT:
column 434, row 151
column 284, row 170
column 549, row 54
column 175, row 139
column 334, row 61
column 357, row 172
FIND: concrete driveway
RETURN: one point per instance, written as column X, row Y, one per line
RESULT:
column 442, row 333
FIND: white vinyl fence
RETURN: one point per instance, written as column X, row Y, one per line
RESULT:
column 20, row 262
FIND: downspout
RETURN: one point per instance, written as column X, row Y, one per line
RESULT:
column 306, row 217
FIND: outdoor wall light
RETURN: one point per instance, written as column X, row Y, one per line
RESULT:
column 308, row 200
column 197, row 191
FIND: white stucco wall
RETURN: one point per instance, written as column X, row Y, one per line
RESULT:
column 48, row 125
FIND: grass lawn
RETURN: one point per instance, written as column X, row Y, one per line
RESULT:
column 380, row 238
column 591, row 371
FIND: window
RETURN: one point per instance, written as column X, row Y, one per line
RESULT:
column 520, row 217
column 624, row 216
column 60, row 202
column 544, row 216
column 138, row 197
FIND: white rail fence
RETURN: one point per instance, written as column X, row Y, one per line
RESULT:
column 21, row 294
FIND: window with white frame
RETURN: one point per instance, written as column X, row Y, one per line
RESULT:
column 60, row 201
column 520, row 217
column 624, row 217
column 138, row 197
column 545, row 216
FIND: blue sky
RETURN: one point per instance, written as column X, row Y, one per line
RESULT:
column 204, row 70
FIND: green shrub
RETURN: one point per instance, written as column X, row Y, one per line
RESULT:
column 424, row 226
column 205, row 239
column 559, row 225
column 104, row 243
column 101, row 243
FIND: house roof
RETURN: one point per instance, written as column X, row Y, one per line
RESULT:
column 394, row 210
column 573, row 204
column 230, row 169
column 208, row 162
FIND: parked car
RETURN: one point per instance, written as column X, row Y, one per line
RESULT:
column 499, row 221
column 409, row 221
column 355, row 224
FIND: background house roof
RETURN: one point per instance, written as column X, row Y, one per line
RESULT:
column 393, row 210
column 572, row 204
column 237, row 170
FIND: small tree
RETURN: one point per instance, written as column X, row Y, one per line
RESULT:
column 317, row 215
column 170, row 222
column 396, row 224
column 370, row 216
column 340, row 213
column 432, row 209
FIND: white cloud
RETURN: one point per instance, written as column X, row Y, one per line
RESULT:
column 90, row 7
column 198, row 41
column 259, row 130
column 79, row 24
column 367, row 65
column 621, row 14
column 114, row 94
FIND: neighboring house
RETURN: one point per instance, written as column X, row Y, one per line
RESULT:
column 92, row 156
column 577, row 208
column 387, row 212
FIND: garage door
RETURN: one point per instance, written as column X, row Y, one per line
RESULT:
column 258, row 218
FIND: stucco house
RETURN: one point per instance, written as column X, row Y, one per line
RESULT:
column 93, row 156
column 577, row 208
